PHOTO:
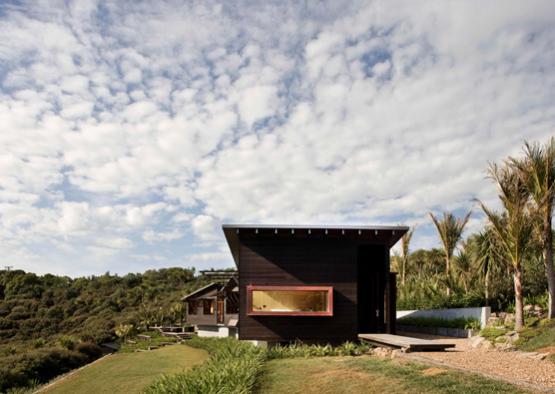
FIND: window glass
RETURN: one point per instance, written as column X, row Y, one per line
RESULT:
column 289, row 300
column 208, row 307
column 192, row 307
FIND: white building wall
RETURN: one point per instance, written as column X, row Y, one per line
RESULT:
column 217, row 331
column 482, row 314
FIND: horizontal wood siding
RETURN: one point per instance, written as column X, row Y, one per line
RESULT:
column 201, row 319
column 209, row 319
column 293, row 261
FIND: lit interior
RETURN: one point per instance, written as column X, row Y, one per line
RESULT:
column 289, row 300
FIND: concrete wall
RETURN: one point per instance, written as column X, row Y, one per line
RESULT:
column 482, row 314
column 216, row 331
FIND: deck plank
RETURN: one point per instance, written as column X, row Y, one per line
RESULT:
column 408, row 343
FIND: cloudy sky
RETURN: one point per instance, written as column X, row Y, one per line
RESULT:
column 129, row 131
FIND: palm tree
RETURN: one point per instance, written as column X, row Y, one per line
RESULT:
column 513, row 227
column 464, row 269
column 405, row 241
column 537, row 170
column 450, row 231
column 488, row 257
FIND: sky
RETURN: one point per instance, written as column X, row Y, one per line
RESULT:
column 130, row 131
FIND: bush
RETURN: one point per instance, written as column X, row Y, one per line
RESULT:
column 66, row 342
column 233, row 368
column 40, row 365
column 91, row 350
column 460, row 322
column 299, row 349
column 491, row 333
column 38, row 343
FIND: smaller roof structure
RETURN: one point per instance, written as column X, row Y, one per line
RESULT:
column 219, row 274
column 208, row 291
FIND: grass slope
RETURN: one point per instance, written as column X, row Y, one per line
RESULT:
column 369, row 375
column 541, row 339
column 129, row 372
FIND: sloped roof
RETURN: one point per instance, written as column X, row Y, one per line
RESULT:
column 203, row 291
column 386, row 235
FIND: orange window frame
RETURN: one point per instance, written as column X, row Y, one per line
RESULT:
column 327, row 312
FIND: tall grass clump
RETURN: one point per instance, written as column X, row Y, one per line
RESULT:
column 299, row 349
column 233, row 368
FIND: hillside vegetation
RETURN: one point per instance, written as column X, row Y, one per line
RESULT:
column 51, row 324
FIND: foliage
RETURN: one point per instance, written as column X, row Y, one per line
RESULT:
column 299, row 349
column 460, row 322
column 44, row 313
column 123, row 331
column 537, row 171
column 491, row 333
column 67, row 342
column 38, row 365
column 233, row 368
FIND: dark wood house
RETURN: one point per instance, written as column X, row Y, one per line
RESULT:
column 314, row 283
column 214, row 308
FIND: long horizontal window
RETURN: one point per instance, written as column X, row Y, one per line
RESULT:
column 290, row 300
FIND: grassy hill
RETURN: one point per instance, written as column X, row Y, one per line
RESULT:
column 128, row 372
column 51, row 324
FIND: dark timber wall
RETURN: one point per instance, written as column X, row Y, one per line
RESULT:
column 357, row 273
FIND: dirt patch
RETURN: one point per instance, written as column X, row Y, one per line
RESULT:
column 549, row 349
column 344, row 380
column 341, row 374
column 433, row 371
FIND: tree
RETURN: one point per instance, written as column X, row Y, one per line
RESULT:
column 464, row 269
column 537, row 170
column 405, row 241
column 513, row 227
column 123, row 331
column 450, row 231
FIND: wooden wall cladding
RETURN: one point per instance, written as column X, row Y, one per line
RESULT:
column 294, row 261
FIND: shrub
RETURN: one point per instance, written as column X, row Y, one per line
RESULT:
column 233, row 368
column 38, row 343
column 91, row 350
column 491, row 333
column 38, row 365
column 298, row 349
column 66, row 342
column 124, row 330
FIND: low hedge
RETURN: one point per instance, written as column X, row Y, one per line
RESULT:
column 302, row 350
column 232, row 368
column 460, row 322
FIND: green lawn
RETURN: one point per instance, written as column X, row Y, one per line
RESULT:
column 129, row 372
column 370, row 375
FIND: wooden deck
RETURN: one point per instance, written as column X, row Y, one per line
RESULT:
column 408, row 344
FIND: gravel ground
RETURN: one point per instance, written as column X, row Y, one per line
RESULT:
column 514, row 366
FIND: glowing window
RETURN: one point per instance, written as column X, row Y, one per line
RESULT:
column 290, row 300
column 208, row 307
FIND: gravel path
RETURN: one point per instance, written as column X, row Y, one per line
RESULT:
column 513, row 366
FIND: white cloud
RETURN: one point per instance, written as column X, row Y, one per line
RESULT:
column 115, row 243
column 156, row 236
column 205, row 227
column 119, row 123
